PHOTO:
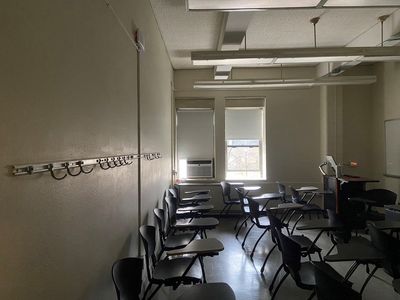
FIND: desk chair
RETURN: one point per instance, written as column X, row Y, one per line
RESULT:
column 328, row 288
column 282, row 190
column 198, row 225
column 307, row 247
column 389, row 246
column 378, row 198
column 226, row 197
column 194, row 197
column 127, row 277
column 308, row 207
column 168, row 240
column 303, row 273
column 260, row 220
column 169, row 272
column 244, row 211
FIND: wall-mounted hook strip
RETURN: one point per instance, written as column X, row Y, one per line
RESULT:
column 67, row 166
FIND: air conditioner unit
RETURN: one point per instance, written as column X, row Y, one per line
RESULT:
column 200, row 168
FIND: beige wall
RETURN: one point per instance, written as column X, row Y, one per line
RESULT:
column 292, row 124
column 68, row 89
column 386, row 105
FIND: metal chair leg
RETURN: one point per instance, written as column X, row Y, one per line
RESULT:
column 255, row 245
column 266, row 259
column 279, row 285
column 368, row 279
column 222, row 211
column 241, row 225
column 147, row 290
column 295, row 223
column 155, row 291
column 271, row 286
column 237, row 222
column 247, row 234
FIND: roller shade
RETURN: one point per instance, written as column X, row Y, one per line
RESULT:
column 244, row 123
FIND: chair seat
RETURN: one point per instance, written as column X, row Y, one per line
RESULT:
column 307, row 273
column 173, row 269
column 311, row 207
column 304, row 242
column 178, row 241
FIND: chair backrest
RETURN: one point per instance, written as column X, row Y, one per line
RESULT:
column 389, row 246
column 243, row 200
column 291, row 255
column 148, row 235
column 173, row 191
column 127, row 277
column 276, row 225
column 159, row 215
column 172, row 206
column 282, row 191
column 381, row 197
column 226, row 191
column 254, row 209
column 296, row 198
column 328, row 288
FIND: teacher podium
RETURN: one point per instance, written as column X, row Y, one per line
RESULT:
column 341, row 189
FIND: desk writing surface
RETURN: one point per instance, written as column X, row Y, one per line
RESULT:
column 202, row 246
column 395, row 207
column 386, row 225
column 196, row 208
column 361, row 252
column 346, row 178
column 321, row 224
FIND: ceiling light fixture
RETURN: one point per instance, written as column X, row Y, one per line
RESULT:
column 294, row 55
column 262, row 84
column 240, row 5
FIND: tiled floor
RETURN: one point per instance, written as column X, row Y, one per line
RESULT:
column 235, row 267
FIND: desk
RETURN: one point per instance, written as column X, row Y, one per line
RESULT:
column 198, row 208
column 207, row 291
column 392, row 212
column 360, row 253
column 387, row 225
column 268, row 197
column 201, row 248
column 322, row 225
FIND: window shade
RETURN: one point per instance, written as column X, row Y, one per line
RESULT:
column 244, row 123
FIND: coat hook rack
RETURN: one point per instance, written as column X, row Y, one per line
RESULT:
column 83, row 166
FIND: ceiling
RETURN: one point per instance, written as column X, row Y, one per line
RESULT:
column 185, row 31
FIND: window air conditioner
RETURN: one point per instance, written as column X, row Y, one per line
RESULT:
column 199, row 168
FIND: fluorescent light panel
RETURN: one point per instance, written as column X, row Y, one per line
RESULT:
column 245, row 5
column 294, row 55
column 280, row 83
column 361, row 3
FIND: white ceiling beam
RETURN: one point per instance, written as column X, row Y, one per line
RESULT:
column 233, row 30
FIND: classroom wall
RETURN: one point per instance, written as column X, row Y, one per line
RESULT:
column 292, row 123
column 68, row 89
column 385, row 105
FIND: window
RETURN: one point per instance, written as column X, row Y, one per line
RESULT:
column 244, row 143
column 195, row 142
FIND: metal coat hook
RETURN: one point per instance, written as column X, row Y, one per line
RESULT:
column 126, row 162
column 69, row 171
column 51, row 167
column 103, row 167
column 80, row 164
column 120, row 164
column 109, row 164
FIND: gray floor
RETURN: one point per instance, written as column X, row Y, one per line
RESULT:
column 235, row 267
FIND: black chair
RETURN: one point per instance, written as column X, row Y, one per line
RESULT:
column 168, row 240
column 390, row 247
column 282, row 191
column 127, row 277
column 259, row 219
column 303, row 273
column 328, row 288
column 307, row 247
column 307, row 209
column 226, row 197
column 195, row 197
column 378, row 198
column 198, row 225
column 244, row 211
column 169, row 272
